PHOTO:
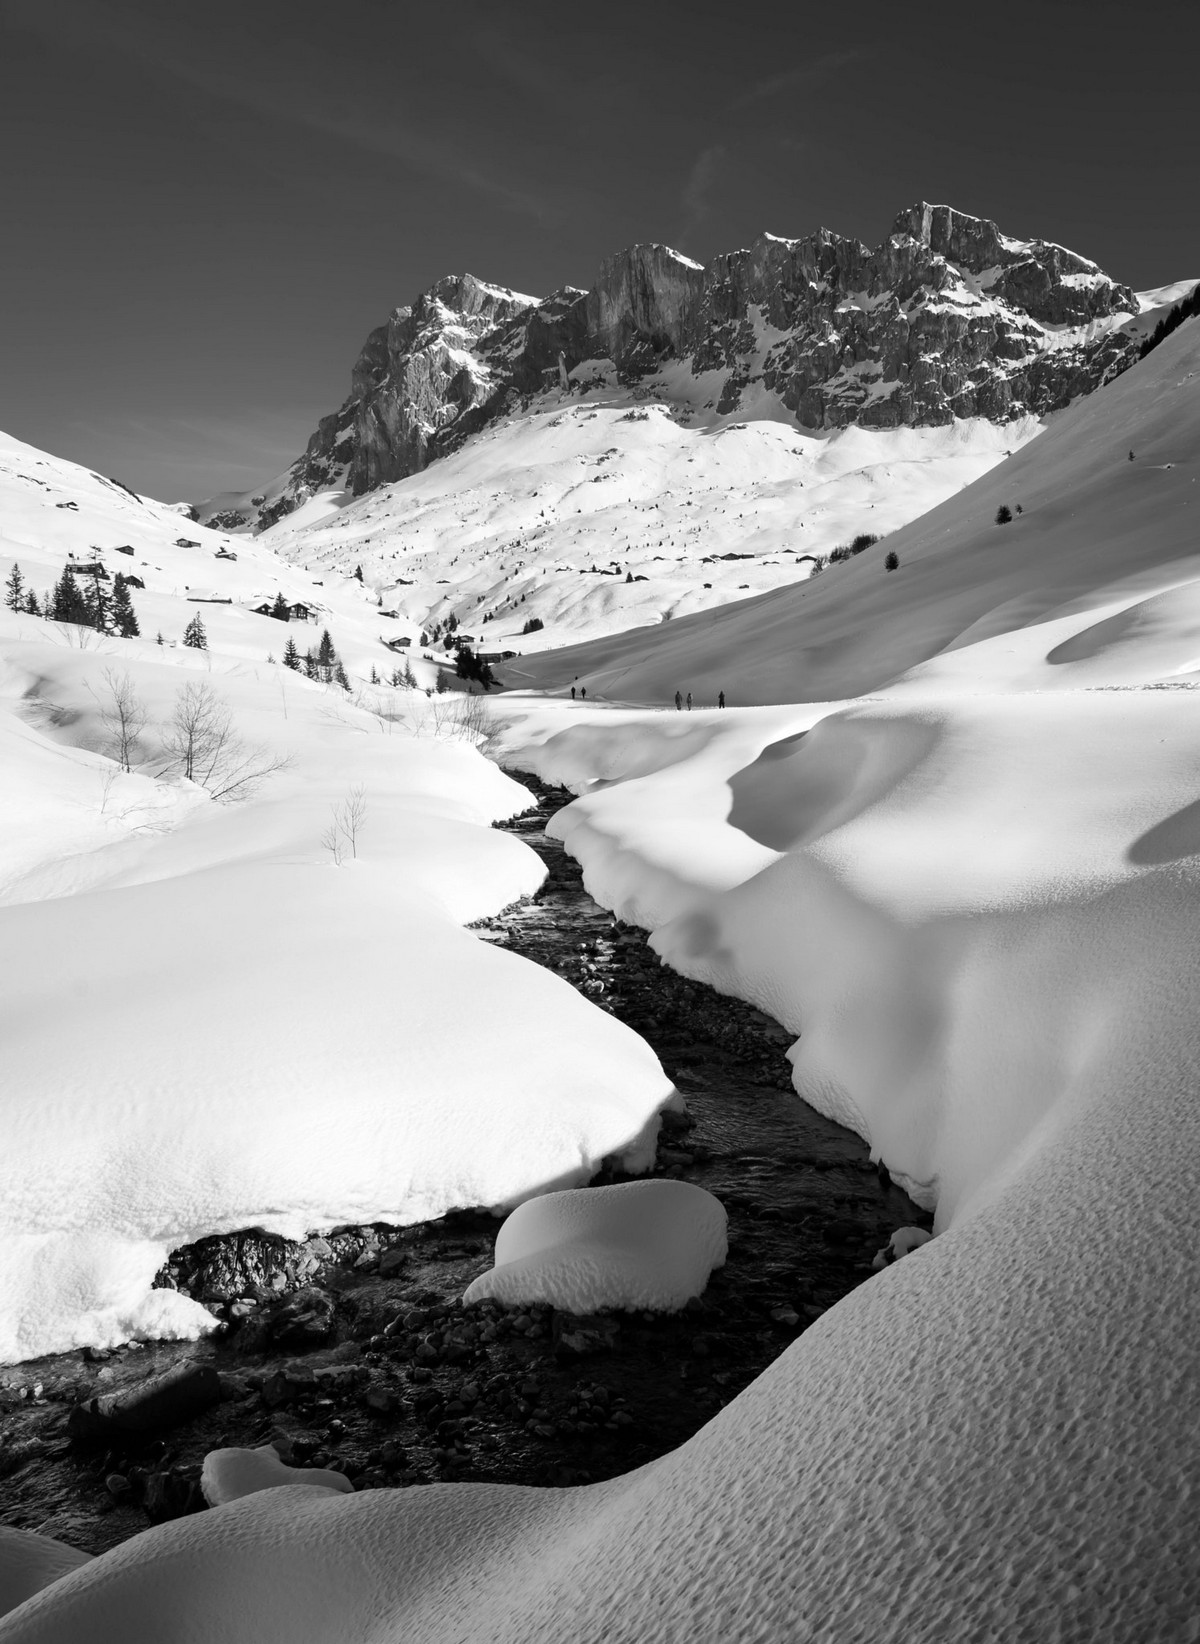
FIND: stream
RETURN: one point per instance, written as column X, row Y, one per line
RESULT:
column 353, row 1351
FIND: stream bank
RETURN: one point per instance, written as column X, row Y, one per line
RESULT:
column 353, row 1351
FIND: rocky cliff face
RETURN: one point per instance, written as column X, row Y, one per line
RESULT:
column 947, row 318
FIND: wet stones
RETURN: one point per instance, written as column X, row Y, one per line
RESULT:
column 579, row 1335
column 305, row 1319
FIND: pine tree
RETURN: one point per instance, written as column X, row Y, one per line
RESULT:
column 281, row 610
column 326, row 656
column 95, row 604
column 124, row 618
column 375, row 680
column 14, row 589
column 1003, row 514
column 397, row 677
column 291, row 656
column 443, row 684
column 310, row 665
column 31, row 604
column 892, row 561
column 158, row 638
column 339, row 674
column 69, row 603
column 358, row 572
column 410, row 679
column 194, row 635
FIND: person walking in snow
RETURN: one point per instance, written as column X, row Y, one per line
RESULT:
column 678, row 703
column 689, row 701
column 583, row 693
column 572, row 693
column 720, row 699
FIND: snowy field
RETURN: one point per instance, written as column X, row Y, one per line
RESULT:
column 614, row 508
column 215, row 1017
column 962, row 868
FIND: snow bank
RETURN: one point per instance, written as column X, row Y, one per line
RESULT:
column 228, row 1475
column 288, row 1049
column 638, row 1245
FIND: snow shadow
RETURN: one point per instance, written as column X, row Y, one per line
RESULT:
column 1173, row 838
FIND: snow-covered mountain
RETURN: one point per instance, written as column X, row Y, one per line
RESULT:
column 947, row 318
column 1104, row 516
column 678, row 436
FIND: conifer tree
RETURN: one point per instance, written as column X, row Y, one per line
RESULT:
column 14, row 589
column 31, row 604
column 194, row 635
column 326, row 656
column 95, row 605
column 124, row 618
column 291, row 656
column 311, row 667
column 339, row 674
column 410, row 679
column 69, row 603
column 281, row 610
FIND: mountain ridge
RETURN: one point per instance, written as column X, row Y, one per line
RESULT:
column 947, row 318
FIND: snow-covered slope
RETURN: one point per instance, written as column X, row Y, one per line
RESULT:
column 213, row 1018
column 1109, row 520
column 678, row 435
column 611, row 508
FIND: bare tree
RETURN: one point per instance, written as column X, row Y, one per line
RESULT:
column 123, row 715
column 200, row 741
column 346, row 823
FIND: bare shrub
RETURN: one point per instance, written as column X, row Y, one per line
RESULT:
column 123, row 715
column 201, row 743
column 347, row 820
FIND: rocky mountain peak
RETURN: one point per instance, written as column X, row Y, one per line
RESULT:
column 947, row 318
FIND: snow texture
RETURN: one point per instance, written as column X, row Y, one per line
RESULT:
column 638, row 1245
column 29, row 1562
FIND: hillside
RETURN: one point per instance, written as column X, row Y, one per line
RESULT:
column 1096, row 530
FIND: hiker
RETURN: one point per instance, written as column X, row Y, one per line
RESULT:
column 678, row 702
column 689, row 701
column 583, row 693
column 572, row 693
column 720, row 699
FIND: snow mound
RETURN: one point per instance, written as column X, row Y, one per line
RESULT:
column 638, row 1245
column 29, row 1562
column 227, row 1475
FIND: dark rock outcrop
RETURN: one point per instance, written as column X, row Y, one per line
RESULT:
column 947, row 318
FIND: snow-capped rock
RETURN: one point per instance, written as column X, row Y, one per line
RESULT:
column 948, row 318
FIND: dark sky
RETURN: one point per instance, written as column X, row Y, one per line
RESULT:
column 205, row 208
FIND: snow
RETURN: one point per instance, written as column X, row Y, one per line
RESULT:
column 1097, row 530
column 29, row 1562
column 637, row 1245
column 211, row 1024
column 963, row 866
column 228, row 1475
column 646, row 484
